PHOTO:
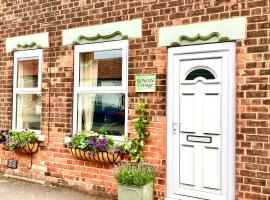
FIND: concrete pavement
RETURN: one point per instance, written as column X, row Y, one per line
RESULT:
column 12, row 189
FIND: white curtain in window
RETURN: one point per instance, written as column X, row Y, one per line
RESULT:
column 86, row 102
column 20, row 106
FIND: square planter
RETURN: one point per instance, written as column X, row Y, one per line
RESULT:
column 135, row 193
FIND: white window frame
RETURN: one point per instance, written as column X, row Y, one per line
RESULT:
column 25, row 55
column 113, row 45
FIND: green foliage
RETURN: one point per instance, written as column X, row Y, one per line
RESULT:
column 94, row 142
column 80, row 141
column 20, row 138
column 135, row 146
column 134, row 174
column 105, row 129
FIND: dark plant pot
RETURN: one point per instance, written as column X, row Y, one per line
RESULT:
column 28, row 149
column 103, row 157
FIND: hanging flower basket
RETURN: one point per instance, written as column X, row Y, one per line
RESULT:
column 103, row 157
column 24, row 141
column 28, row 149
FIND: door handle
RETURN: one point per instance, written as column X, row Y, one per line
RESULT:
column 175, row 127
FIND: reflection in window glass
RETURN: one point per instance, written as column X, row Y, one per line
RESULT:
column 200, row 73
column 102, row 112
column 28, row 111
column 101, row 68
column 27, row 73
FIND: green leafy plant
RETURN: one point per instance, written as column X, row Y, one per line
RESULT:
column 136, row 145
column 81, row 141
column 105, row 129
column 134, row 174
column 1, row 173
column 94, row 142
column 16, row 139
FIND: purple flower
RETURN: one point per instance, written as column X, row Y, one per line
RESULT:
column 91, row 153
column 102, row 144
column 93, row 142
column 4, row 136
column 118, row 149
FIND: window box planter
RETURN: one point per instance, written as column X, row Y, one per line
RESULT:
column 91, row 146
column 103, row 157
column 135, row 192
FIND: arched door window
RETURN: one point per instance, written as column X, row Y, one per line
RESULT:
column 201, row 72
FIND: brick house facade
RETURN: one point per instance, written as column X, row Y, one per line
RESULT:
column 54, row 163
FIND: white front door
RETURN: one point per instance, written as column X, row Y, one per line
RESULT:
column 201, row 118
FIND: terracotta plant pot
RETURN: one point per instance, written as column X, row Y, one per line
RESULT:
column 28, row 149
column 103, row 157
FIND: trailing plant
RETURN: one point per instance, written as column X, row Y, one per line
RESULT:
column 136, row 145
column 134, row 174
column 16, row 139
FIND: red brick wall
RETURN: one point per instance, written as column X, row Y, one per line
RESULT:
column 54, row 163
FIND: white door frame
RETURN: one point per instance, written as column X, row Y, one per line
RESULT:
column 205, row 48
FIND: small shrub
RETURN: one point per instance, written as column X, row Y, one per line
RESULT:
column 134, row 174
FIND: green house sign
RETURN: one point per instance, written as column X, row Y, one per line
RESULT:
column 145, row 83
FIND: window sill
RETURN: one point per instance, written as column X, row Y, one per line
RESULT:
column 40, row 137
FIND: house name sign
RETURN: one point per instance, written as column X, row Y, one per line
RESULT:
column 145, row 83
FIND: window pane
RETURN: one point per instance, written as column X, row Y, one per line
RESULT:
column 101, row 68
column 27, row 73
column 102, row 112
column 28, row 111
column 200, row 73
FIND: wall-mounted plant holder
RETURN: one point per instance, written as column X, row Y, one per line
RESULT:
column 28, row 149
column 102, row 157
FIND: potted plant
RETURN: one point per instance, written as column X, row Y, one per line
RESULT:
column 135, row 181
column 95, row 147
column 24, row 141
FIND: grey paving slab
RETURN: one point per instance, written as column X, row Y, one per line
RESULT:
column 12, row 189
